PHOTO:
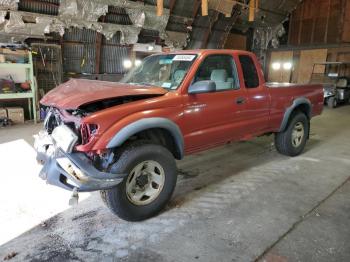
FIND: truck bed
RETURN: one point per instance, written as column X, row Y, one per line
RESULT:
column 282, row 96
column 280, row 85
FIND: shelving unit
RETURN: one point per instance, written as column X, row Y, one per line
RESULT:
column 30, row 95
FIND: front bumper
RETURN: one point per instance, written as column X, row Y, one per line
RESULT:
column 70, row 170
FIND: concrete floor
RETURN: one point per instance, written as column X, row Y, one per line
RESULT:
column 240, row 202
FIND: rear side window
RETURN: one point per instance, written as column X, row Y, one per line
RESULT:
column 250, row 75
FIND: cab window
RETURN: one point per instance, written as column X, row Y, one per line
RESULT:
column 250, row 75
column 221, row 69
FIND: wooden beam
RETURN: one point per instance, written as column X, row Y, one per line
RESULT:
column 172, row 5
column 160, row 7
column 196, row 6
column 301, row 22
column 98, row 53
column 314, row 17
column 251, row 10
column 98, row 49
column 291, row 19
column 207, row 35
column 235, row 14
column 325, row 40
column 204, row 7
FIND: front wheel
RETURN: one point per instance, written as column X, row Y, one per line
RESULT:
column 291, row 142
column 151, row 180
column 332, row 102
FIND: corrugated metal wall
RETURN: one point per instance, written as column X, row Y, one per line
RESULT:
column 48, row 7
column 79, row 46
column 82, row 48
column 80, row 35
column 116, row 15
column 112, row 58
column 79, row 53
column 79, row 58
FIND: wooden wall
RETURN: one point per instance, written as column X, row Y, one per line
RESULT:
column 306, row 62
column 303, row 60
column 320, row 22
column 281, row 75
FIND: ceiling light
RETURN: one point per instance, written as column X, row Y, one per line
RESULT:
column 127, row 64
column 287, row 66
column 276, row 66
column 138, row 62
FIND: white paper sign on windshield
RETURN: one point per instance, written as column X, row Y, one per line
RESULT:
column 184, row 57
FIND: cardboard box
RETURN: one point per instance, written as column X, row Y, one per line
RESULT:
column 7, row 51
column 16, row 114
column 3, row 112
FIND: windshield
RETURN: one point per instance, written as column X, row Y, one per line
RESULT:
column 166, row 71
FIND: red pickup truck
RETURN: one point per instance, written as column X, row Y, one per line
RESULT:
column 122, row 139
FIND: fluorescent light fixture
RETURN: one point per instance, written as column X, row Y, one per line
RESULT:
column 138, row 62
column 276, row 66
column 127, row 63
column 287, row 66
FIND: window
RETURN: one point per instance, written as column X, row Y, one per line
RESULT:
column 250, row 75
column 166, row 70
column 221, row 69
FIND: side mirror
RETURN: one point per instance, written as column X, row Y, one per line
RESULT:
column 202, row 87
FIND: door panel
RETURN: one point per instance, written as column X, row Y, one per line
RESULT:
column 258, row 110
column 258, row 105
column 213, row 118
column 217, row 117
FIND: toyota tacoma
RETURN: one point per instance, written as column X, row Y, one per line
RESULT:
column 122, row 139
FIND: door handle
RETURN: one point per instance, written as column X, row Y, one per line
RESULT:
column 240, row 100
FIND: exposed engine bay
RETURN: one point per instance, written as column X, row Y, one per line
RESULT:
column 107, row 103
column 56, row 117
column 72, row 117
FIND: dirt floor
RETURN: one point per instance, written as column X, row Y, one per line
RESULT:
column 240, row 202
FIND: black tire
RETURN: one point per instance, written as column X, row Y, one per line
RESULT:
column 283, row 140
column 116, row 199
column 332, row 102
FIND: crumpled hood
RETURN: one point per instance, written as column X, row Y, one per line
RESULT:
column 77, row 92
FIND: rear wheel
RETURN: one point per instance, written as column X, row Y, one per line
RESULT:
column 332, row 102
column 151, row 180
column 292, row 140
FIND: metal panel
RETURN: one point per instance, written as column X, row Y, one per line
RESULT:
column 184, row 8
column 216, row 39
column 115, row 40
column 80, row 35
column 117, row 15
column 148, row 36
column 49, row 7
column 47, row 63
column 79, row 58
column 112, row 58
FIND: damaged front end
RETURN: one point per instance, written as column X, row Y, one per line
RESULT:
column 66, row 145
column 62, row 166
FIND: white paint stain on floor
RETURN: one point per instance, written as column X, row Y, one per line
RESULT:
column 26, row 200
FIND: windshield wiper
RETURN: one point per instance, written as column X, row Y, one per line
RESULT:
column 145, row 84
